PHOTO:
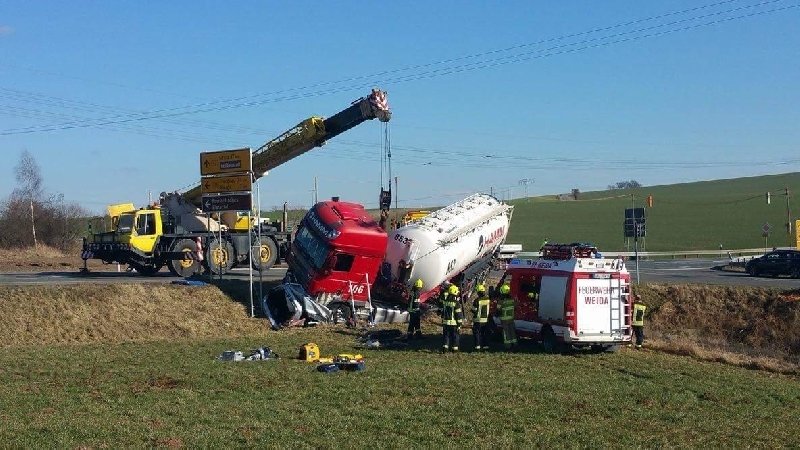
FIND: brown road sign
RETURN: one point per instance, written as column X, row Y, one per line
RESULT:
column 226, row 161
column 227, row 202
column 231, row 183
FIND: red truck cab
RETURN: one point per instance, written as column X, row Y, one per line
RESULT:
column 338, row 249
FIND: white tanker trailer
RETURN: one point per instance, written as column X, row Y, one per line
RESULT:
column 448, row 242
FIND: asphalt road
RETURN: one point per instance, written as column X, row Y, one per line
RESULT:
column 701, row 271
column 694, row 271
column 164, row 276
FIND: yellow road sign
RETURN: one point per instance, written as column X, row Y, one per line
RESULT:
column 226, row 161
column 230, row 183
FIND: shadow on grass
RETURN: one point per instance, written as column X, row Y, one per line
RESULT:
column 239, row 292
column 394, row 339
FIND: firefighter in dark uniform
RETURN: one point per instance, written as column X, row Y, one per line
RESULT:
column 506, row 309
column 414, row 311
column 452, row 317
column 480, row 318
column 638, row 319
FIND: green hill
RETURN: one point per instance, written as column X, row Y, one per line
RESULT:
column 687, row 216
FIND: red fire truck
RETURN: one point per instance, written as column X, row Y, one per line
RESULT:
column 571, row 297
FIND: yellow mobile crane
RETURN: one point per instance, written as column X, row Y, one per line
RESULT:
column 168, row 233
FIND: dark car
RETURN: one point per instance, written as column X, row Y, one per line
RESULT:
column 776, row 262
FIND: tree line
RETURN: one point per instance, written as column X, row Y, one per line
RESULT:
column 30, row 216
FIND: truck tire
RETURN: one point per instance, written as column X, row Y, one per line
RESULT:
column 796, row 272
column 147, row 271
column 263, row 254
column 220, row 256
column 549, row 342
column 184, row 267
column 341, row 313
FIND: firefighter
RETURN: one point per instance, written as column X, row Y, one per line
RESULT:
column 638, row 319
column 480, row 317
column 452, row 317
column 506, row 309
column 414, row 311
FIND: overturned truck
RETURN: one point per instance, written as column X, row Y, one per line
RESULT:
column 345, row 265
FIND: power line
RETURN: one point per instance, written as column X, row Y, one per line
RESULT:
column 520, row 57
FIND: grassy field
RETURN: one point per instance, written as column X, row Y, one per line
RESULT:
column 688, row 216
column 174, row 394
column 124, row 365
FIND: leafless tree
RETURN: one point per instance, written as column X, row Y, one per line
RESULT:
column 29, row 216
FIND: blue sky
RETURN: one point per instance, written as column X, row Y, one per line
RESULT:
column 713, row 101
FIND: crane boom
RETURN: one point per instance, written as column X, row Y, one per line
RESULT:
column 310, row 133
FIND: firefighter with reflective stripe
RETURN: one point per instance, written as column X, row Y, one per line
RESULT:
column 638, row 319
column 480, row 317
column 452, row 317
column 506, row 309
column 414, row 311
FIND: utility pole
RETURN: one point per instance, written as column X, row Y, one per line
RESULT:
column 395, row 192
column 525, row 182
column 315, row 189
column 788, row 218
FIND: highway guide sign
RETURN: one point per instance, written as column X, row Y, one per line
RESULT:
column 223, row 184
column 226, row 161
column 227, row 202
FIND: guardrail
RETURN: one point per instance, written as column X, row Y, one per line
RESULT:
column 731, row 254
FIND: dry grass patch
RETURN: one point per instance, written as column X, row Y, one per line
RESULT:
column 31, row 315
column 744, row 326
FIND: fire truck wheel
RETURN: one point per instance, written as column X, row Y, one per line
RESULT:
column 341, row 313
column 184, row 267
column 220, row 256
column 549, row 341
column 265, row 253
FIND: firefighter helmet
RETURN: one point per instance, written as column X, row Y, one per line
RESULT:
column 505, row 289
column 453, row 289
column 418, row 283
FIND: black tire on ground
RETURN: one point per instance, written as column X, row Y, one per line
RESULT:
column 184, row 267
column 147, row 271
column 549, row 342
column 341, row 313
column 219, row 256
column 264, row 254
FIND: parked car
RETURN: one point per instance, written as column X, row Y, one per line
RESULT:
column 776, row 262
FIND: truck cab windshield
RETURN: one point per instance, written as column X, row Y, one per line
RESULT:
column 125, row 224
column 316, row 249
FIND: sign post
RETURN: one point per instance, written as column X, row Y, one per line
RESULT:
column 227, row 185
column 765, row 229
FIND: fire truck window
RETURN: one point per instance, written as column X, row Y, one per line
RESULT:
column 343, row 262
column 530, row 289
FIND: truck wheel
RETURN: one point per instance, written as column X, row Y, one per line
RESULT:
column 184, row 267
column 549, row 341
column 147, row 271
column 263, row 254
column 220, row 256
column 342, row 313
column 796, row 272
